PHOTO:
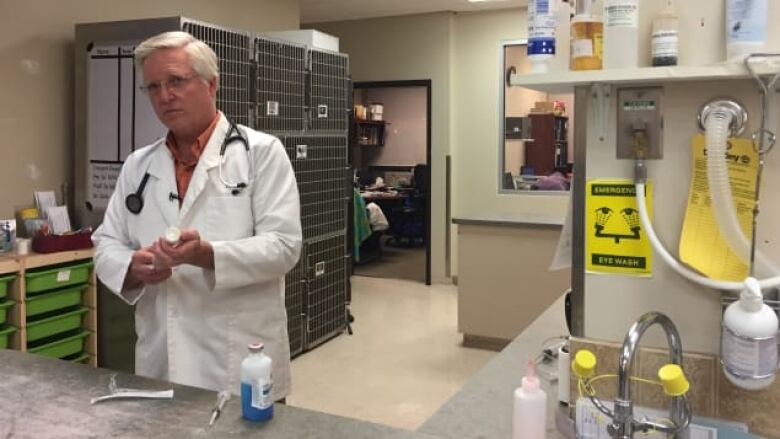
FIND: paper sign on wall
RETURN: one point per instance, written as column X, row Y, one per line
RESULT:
column 701, row 244
column 615, row 240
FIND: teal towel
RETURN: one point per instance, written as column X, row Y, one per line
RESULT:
column 360, row 219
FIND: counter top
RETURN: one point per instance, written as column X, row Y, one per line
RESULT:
column 483, row 407
column 46, row 398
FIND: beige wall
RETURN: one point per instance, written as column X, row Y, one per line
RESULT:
column 460, row 54
column 475, row 126
column 36, row 67
column 495, row 298
column 408, row 48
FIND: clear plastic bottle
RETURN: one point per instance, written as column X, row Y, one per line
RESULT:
column 746, row 28
column 562, row 37
column 256, row 385
column 621, row 34
column 541, row 33
column 749, row 341
column 529, row 419
column 587, row 38
column 665, row 38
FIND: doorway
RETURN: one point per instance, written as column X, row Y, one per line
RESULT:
column 390, row 155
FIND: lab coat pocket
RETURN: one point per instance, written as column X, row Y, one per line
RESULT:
column 230, row 218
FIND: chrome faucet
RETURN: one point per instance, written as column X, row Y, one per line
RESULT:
column 624, row 425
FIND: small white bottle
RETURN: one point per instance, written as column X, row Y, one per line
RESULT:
column 749, row 340
column 173, row 236
column 256, row 385
column 621, row 34
column 530, row 409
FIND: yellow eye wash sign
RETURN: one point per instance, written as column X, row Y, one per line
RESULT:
column 615, row 240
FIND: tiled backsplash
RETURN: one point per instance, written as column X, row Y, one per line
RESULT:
column 711, row 394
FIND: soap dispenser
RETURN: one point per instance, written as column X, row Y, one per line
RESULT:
column 530, row 409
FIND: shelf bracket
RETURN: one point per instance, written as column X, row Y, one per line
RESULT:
column 600, row 98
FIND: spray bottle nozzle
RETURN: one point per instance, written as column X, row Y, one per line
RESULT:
column 530, row 380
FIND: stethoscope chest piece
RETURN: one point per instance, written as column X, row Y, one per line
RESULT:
column 134, row 203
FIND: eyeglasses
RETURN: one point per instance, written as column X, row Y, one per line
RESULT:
column 175, row 83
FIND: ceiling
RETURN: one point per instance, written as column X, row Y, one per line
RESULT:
column 317, row 11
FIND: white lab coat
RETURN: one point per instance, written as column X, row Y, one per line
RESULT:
column 194, row 327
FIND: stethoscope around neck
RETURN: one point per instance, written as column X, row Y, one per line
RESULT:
column 135, row 201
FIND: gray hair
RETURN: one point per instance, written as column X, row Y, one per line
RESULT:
column 202, row 59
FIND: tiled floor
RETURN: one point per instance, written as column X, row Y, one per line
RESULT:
column 397, row 263
column 403, row 362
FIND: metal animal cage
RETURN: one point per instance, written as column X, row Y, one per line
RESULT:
column 328, row 91
column 232, row 49
column 322, row 170
column 280, row 84
column 327, row 266
column 294, row 300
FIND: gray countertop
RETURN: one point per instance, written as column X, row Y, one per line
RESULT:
column 45, row 398
column 483, row 407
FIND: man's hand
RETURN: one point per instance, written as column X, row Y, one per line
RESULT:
column 190, row 250
column 145, row 269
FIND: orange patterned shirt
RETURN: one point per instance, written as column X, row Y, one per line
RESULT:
column 185, row 168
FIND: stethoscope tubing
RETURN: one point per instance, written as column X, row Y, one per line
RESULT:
column 135, row 201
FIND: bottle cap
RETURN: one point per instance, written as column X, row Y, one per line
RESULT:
column 673, row 380
column 172, row 235
column 584, row 364
column 256, row 347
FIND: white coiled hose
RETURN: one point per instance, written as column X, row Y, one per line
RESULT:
column 717, row 133
column 677, row 266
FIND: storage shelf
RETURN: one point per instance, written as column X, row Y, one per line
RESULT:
column 563, row 82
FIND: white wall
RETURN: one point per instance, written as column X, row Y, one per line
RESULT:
column 36, row 67
column 406, row 111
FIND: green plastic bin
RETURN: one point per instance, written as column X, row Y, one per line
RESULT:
column 4, row 307
column 38, row 280
column 55, row 325
column 62, row 348
column 5, row 283
column 81, row 357
column 5, row 336
column 54, row 300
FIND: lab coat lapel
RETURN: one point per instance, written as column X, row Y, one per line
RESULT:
column 162, row 169
column 209, row 159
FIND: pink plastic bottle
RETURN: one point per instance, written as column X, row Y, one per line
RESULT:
column 529, row 420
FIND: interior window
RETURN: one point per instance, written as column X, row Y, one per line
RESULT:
column 535, row 131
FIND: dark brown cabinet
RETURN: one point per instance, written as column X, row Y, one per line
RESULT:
column 369, row 132
column 549, row 148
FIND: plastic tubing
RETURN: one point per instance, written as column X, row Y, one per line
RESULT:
column 676, row 265
column 717, row 133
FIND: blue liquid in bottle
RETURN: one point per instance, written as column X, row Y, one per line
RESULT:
column 251, row 412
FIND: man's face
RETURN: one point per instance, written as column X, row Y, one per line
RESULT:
column 183, row 101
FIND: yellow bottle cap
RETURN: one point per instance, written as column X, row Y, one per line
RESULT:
column 584, row 364
column 673, row 379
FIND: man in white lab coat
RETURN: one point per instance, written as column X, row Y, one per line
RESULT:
column 201, row 301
